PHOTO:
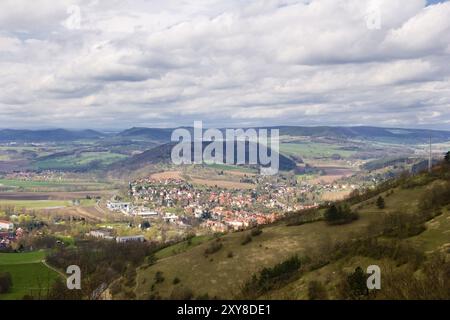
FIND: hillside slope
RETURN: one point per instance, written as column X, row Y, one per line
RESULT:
column 402, row 238
column 162, row 155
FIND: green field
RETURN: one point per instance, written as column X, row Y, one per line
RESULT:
column 313, row 150
column 226, row 167
column 34, row 204
column 43, row 204
column 30, row 183
column 21, row 258
column 77, row 161
column 63, row 185
column 29, row 274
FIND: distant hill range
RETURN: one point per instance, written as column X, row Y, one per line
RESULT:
column 52, row 135
column 153, row 134
column 359, row 133
column 162, row 154
column 368, row 133
column 163, row 135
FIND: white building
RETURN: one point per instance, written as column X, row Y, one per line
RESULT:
column 101, row 234
column 170, row 217
column 130, row 238
column 6, row 225
column 124, row 207
column 146, row 214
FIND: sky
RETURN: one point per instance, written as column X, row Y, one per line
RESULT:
column 114, row 64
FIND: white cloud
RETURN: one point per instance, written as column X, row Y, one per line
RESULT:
column 166, row 63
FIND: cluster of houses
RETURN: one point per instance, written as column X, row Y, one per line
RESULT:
column 214, row 209
column 8, row 233
column 217, row 209
column 223, row 220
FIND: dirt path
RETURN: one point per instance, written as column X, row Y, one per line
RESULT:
column 62, row 274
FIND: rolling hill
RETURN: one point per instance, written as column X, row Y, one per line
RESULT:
column 368, row 133
column 163, row 135
column 53, row 135
column 152, row 134
column 162, row 154
column 397, row 135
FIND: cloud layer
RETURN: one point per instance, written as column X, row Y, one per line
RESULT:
column 115, row 64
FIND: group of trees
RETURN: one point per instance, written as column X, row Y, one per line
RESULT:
column 437, row 196
column 5, row 282
column 339, row 214
column 381, row 203
column 101, row 262
column 433, row 283
column 268, row 278
column 402, row 225
column 214, row 247
column 354, row 285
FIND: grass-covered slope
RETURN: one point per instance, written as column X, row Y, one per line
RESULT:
column 401, row 236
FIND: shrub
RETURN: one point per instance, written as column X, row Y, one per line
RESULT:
column 354, row 285
column 213, row 248
column 176, row 280
column 340, row 214
column 432, row 284
column 203, row 297
column 403, row 225
column 181, row 293
column 159, row 277
column 268, row 278
column 380, row 203
column 373, row 248
column 247, row 239
column 5, row 282
column 44, row 242
column 317, row 291
column 438, row 195
column 115, row 288
column 304, row 217
column 256, row 232
column 130, row 276
column 129, row 295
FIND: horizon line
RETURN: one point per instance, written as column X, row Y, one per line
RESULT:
column 105, row 130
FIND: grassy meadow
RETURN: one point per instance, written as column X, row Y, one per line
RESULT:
column 79, row 161
column 28, row 274
column 43, row 204
column 313, row 150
